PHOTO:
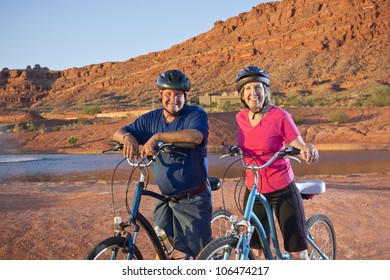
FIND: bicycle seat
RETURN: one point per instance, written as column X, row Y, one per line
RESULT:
column 214, row 183
column 311, row 187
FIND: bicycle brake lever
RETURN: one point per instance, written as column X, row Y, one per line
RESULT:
column 116, row 146
column 295, row 158
column 151, row 158
column 105, row 151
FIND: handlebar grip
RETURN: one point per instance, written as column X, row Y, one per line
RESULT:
column 187, row 145
column 292, row 151
column 234, row 150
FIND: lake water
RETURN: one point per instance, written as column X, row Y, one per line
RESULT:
column 67, row 167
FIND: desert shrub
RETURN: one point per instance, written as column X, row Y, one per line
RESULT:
column 85, row 121
column 30, row 127
column 379, row 97
column 338, row 116
column 90, row 109
column 296, row 101
column 278, row 100
column 72, row 140
column 17, row 128
column 298, row 119
column 42, row 128
column 69, row 127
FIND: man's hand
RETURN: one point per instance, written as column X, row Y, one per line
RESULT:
column 149, row 149
column 130, row 147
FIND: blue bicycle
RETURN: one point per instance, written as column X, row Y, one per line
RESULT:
column 235, row 245
column 135, row 238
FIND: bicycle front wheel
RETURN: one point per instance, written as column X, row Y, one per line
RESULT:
column 113, row 248
column 220, row 223
column 223, row 248
column 321, row 230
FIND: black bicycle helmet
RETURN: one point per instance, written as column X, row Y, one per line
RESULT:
column 173, row 79
column 251, row 74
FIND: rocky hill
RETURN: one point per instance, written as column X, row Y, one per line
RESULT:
column 318, row 48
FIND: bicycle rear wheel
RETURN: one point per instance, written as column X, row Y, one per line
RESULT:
column 113, row 248
column 223, row 248
column 220, row 223
column 321, row 230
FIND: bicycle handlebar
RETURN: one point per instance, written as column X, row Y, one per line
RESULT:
column 162, row 147
column 289, row 152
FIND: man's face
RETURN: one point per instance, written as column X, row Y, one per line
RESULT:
column 172, row 100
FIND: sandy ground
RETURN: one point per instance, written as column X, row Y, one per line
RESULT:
column 63, row 220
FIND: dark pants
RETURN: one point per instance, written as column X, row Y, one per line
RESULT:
column 288, row 208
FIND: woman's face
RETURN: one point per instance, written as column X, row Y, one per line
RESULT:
column 254, row 95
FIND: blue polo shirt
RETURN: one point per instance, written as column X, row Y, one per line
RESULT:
column 174, row 173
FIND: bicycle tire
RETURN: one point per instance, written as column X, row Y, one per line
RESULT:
column 220, row 222
column 222, row 248
column 147, row 227
column 320, row 229
column 104, row 250
column 152, row 236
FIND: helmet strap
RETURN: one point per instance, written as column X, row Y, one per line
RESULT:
column 176, row 113
column 263, row 110
column 254, row 113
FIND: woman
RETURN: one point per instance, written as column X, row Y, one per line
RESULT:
column 264, row 129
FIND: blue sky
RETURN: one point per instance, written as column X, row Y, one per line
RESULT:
column 61, row 34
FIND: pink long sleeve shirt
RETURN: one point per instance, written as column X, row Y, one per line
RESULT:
column 270, row 135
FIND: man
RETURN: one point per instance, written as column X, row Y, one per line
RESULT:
column 187, row 216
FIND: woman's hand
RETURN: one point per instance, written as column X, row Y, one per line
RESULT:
column 309, row 153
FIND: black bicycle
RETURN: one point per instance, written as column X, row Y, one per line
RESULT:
column 135, row 238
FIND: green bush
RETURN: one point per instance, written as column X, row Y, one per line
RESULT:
column 30, row 127
column 379, row 97
column 338, row 116
column 72, row 140
column 91, row 109
column 298, row 119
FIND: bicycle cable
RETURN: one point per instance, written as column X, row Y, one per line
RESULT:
column 112, row 185
column 146, row 182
